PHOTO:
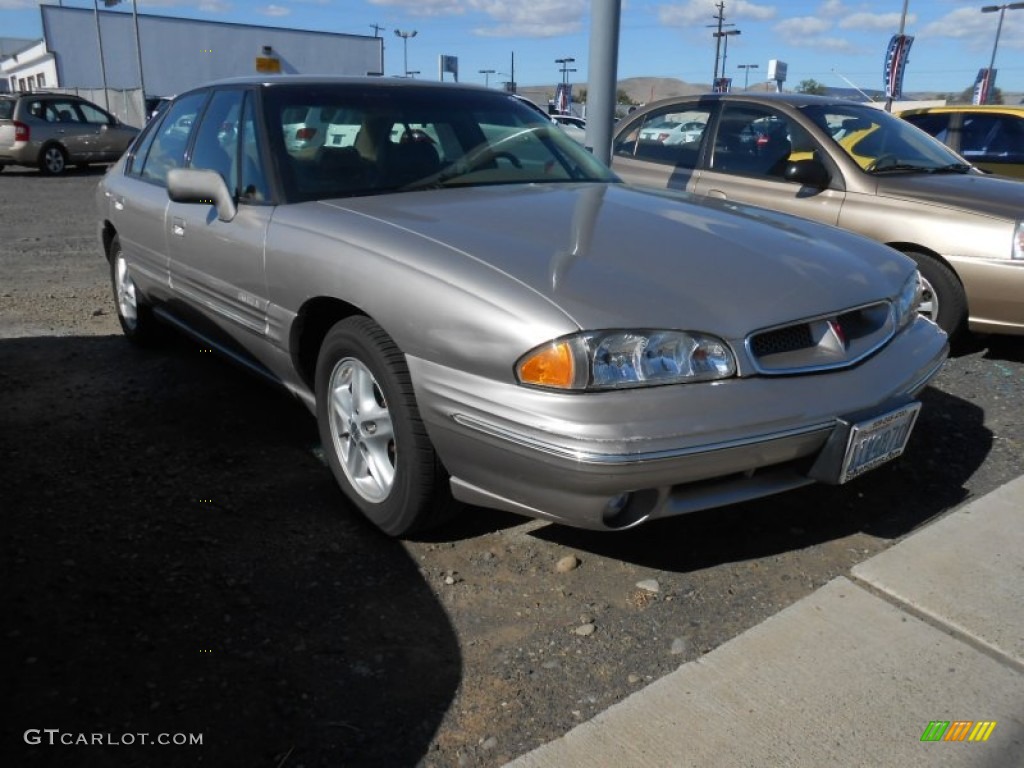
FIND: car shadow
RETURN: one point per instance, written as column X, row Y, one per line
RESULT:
column 71, row 170
column 177, row 561
column 948, row 445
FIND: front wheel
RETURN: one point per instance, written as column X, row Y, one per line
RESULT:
column 372, row 432
column 137, row 322
column 943, row 300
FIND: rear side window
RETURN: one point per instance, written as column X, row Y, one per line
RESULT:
column 167, row 150
column 6, row 109
column 670, row 136
column 992, row 137
column 94, row 115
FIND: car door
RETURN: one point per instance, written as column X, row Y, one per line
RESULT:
column 108, row 138
column 747, row 161
column 642, row 156
column 137, row 199
column 218, row 266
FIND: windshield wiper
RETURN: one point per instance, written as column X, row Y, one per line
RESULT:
column 952, row 168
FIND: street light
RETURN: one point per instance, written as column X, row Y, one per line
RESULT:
column 405, row 47
column 725, row 51
column 565, row 68
column 411, row 73
column 999, row 28
column 487, row 76
column 746, row 72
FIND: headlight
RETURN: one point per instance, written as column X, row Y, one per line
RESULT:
column 621, row 359
column 908, row 300
column 1018, row 242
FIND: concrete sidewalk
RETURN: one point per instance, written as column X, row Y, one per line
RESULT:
column 929, row 630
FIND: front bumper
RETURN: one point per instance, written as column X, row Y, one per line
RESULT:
column 675, row 449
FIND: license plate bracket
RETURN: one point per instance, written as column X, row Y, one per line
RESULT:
column 865, row 440
column 877, row 441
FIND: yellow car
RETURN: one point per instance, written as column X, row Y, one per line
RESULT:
column 990, row 136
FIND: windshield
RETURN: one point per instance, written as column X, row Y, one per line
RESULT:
column 348, row 140
column 880, row 142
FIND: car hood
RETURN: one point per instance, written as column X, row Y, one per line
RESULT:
column 610, row 256
column 980, row 193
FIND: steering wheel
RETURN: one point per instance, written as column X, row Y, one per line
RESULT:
column 881, row 162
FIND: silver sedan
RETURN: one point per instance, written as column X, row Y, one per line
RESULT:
column 477, row 311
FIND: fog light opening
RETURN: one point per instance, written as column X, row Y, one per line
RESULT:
column 628, row 509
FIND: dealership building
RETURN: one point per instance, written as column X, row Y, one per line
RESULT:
column 88, row 49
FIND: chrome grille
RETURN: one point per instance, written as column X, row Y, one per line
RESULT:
column 822, row 343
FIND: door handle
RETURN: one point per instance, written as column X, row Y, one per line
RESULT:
column 178, row 227
column 717, row 193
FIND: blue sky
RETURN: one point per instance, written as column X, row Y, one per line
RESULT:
column 832, row 41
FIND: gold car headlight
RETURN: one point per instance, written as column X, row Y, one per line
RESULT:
column 621, row 359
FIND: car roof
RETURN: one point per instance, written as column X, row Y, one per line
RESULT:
column 271, row 81
column 950, row 108
column 765, row 99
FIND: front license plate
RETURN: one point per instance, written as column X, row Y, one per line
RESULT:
column 878, row 440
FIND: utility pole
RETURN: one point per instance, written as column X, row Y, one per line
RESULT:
column 720, row 19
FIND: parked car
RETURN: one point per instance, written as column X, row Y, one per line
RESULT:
column 857, row 167
column 50, row 131
column 490, row 316
column 575, row 127
column 990, row 135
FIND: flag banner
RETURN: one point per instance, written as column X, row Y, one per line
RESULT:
column 895, row 64
column 983, row 85
column 563, row 98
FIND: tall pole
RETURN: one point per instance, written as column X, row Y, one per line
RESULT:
column 719, row 18
column 405, row 48
column 999, row 28
column 605, row 18
column 903, row 25
column 138, row 53
column 99, row 41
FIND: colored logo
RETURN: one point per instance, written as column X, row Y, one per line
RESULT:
column 958, row 730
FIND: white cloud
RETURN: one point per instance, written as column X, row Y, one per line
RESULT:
column 704, row 12
column 876, row 22
column 426, row 7
column 274, row 10
column 531, row 18
column 810, row 32
column 978, row 29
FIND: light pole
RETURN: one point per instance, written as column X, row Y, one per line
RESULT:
column 138, row 46
column 405, row 35
column 487, row 76
column 411, row 73
column 746, row 73
column 999, row 28
column 564, row 63
column 725, row 52
column 103, row 65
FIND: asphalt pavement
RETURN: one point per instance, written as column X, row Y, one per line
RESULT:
column 914, row 658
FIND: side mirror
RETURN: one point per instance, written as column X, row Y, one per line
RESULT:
column 201, row 187
column 808, row 173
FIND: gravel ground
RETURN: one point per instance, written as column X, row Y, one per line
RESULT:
column 178, row 561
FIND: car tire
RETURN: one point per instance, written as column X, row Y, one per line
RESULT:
column 53, row 160
column 137, row 321
column 372, row 433
column 943, row 300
